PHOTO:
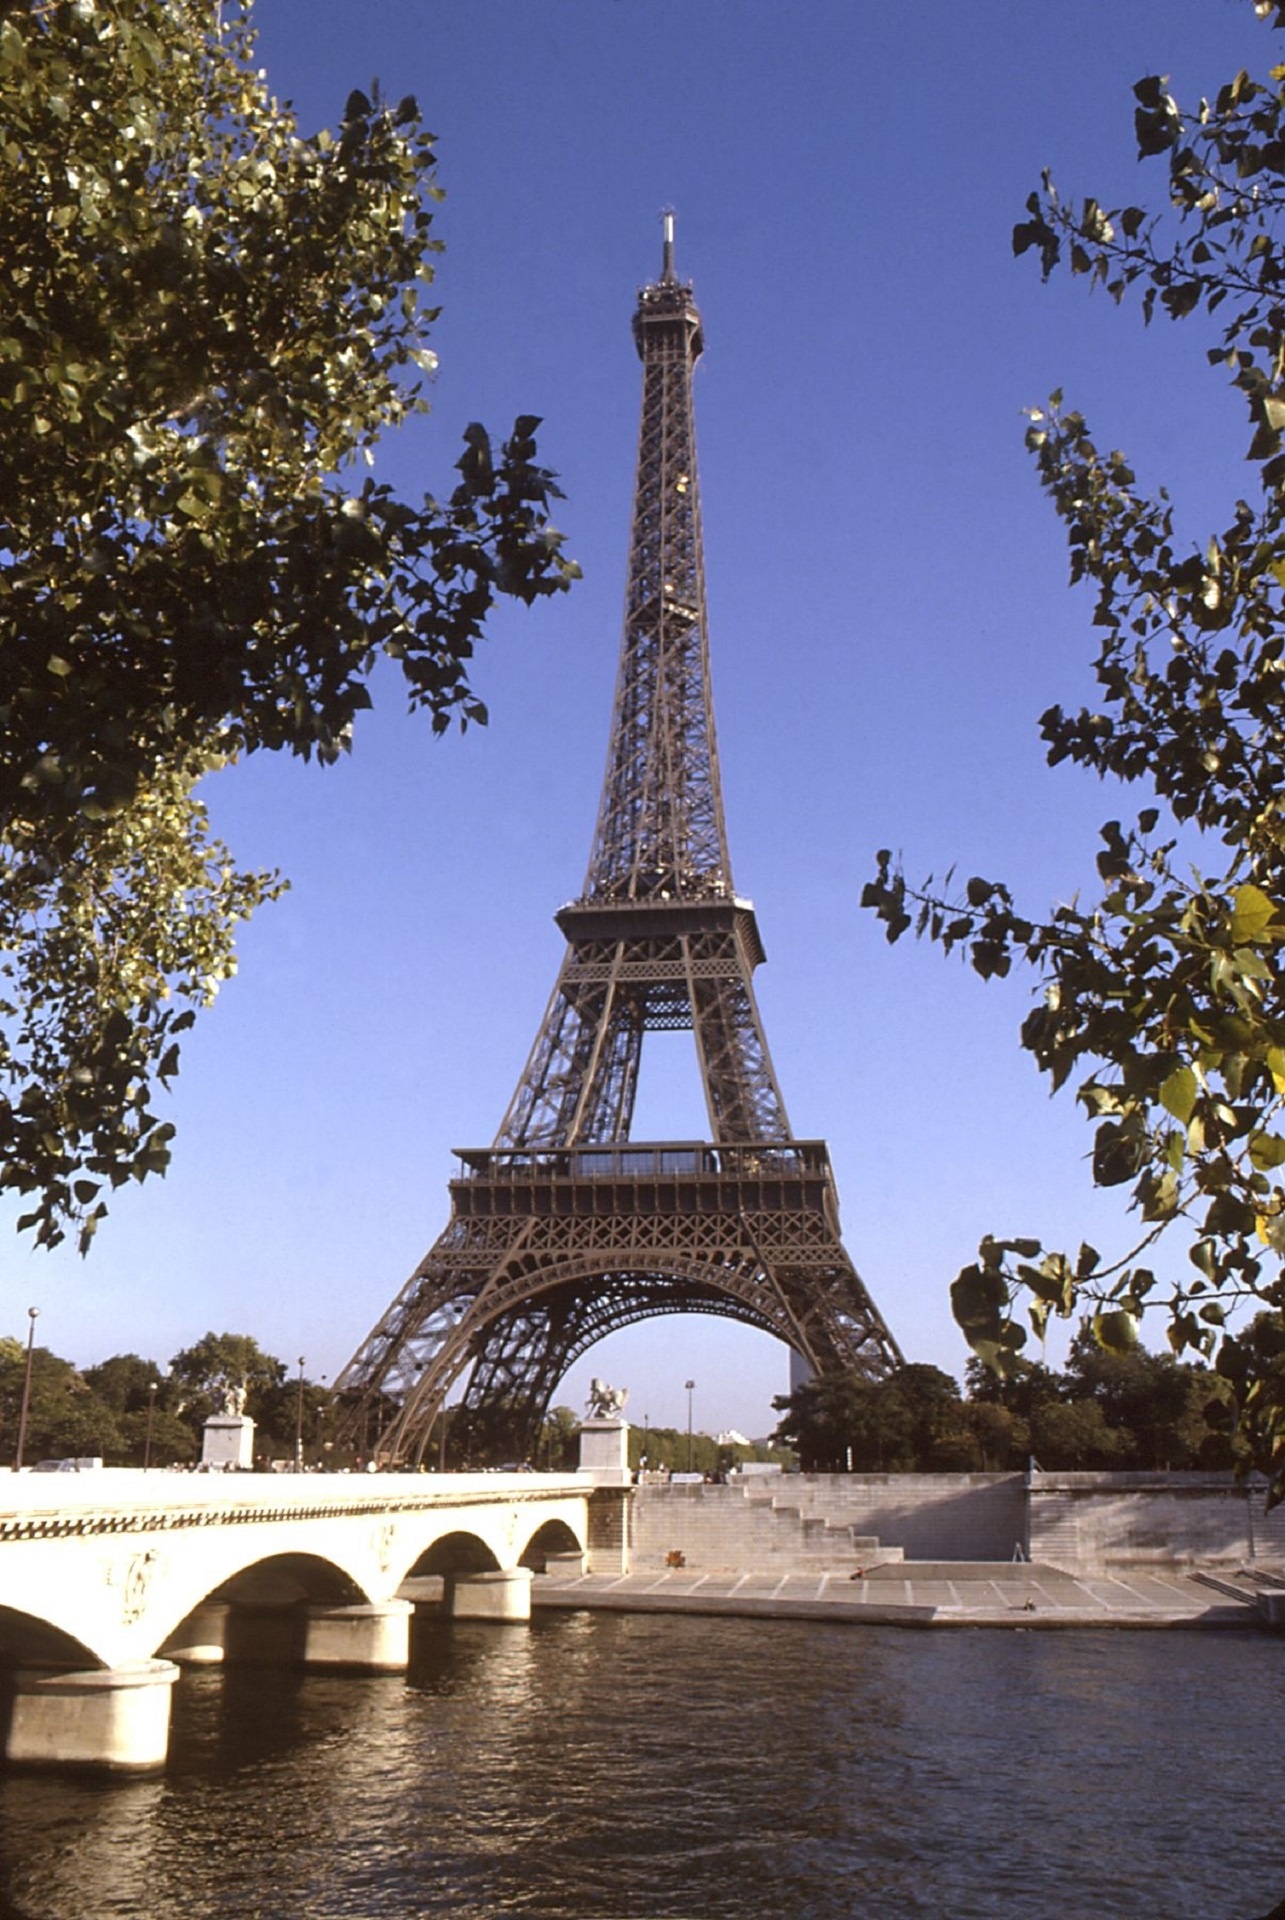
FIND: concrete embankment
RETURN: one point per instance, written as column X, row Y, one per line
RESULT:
column 1013, row 1550
column 922, row 1594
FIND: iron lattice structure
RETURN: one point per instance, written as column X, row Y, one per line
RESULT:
column 565, row 1230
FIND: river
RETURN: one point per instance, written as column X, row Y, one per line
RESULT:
column 618, row 1767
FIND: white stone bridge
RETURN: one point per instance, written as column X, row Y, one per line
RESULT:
column 110, row 1580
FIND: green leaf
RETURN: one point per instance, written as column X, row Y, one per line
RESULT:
column 978, row 1297
column 1252, row 915
column 1266, row 1151
column 1178, row 1094
column 1116, row 1331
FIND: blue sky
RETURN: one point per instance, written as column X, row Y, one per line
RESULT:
column 888, row 612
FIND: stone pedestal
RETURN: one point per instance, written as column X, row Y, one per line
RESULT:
column 374, row 1639
column 492, row 1596
column 604, row 1452
column 116, row 1719
column 228, row 1441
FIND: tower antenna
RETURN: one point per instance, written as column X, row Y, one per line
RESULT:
column 667, row 229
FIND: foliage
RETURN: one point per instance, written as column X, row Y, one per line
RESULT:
column 665, row 1450
column 145, row 1403
column 125, row 1383
column 105, row 953
column 127, row 1410
column 1106, row 1412
column 913, row 1420
column 222, row 1363
column 558, row 1450
column 209, row 319
column 65, row 1418
column 1163, row 995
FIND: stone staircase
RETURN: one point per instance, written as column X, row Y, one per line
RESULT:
column 1261, row 1587
column 735, row 1528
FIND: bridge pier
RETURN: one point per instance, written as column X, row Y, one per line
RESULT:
column 495, row 1595
column 375, row 1639
column 113, row 1718
column 202, row 1639
column 365, row 1638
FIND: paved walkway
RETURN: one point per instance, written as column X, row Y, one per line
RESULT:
column 922, row 1594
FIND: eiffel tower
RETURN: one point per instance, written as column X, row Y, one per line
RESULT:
column 566, row 1229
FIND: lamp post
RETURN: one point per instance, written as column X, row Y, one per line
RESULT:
column 151, row 1415
column 691, row 1388
column 33, row 1314
column 298, row 1422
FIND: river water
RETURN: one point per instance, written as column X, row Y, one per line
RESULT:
column 616, row 1767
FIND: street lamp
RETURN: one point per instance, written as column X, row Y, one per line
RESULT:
column 691, row 1388
column 33, row 1314
column 298, row 1422
column 151, row 1415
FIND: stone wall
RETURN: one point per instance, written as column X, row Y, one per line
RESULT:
column 611, row 1513
column 1106, row 1519
column 816, row 1522
column 820, row 1521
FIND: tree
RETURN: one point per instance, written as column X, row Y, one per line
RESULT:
column 831, row 1421
column 1003, row 1437
column 1165, row 992
column 1075, row 1436
column 1153, row 1398
column 913, row 1421
column 559, row 1445
column 210, row 320
column 202, row 1376
column 65, row 1417
column 125, row 1383
column 143, row 1401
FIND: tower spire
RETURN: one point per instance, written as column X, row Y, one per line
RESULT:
column 667, row 256
column 565, row 1228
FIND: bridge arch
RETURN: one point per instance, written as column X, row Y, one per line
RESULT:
column 555, row 1536
column 289, row 1579
column 28, row 1640
column 455, row 1552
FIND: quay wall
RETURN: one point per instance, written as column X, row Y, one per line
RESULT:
column 814, row 1522
column 1122, row 1519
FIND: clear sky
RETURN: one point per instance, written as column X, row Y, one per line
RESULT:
column 888, row 611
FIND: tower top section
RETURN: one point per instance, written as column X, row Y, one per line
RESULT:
column 660, row 833
column 666, row 320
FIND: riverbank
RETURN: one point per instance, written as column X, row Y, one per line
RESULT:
column 923, row 1594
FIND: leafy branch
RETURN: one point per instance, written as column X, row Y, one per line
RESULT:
column 1161, row 1001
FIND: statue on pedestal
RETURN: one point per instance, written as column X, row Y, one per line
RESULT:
column 604, row 1402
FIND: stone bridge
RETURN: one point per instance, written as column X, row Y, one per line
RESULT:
column 110, row 1580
